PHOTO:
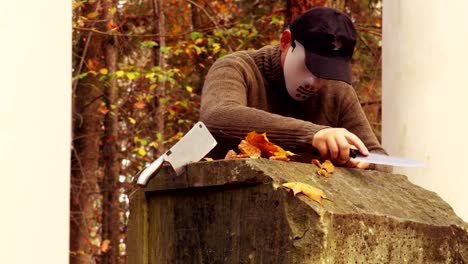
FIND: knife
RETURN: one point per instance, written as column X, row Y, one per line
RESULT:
column 191, row 148
column 384, row 159
column 379, row 159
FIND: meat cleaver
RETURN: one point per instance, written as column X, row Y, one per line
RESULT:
column 190, row 148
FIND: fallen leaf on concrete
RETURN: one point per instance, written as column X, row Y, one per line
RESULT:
column 231, row 154
column 250, row 150
column 316, row 162
column 256, row 145
column 324, row 168
column 328, row 166
column 322, row 172
column 283, row 158
column 267, row 148
column 308, row 190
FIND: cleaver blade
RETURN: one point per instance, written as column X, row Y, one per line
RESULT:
column 191, row 148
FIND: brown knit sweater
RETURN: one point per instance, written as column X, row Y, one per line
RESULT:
column 245, row 91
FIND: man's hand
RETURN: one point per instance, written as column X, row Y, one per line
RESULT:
column 334, row 144
column 357, row 164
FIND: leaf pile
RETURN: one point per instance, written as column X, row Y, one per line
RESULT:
column 308, row 190
column 324, row 168
column 256, row 145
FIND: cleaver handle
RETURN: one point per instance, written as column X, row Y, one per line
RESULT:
column 147, row 173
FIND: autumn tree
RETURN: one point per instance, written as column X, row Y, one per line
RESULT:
column 110, row 237
column 87, row 123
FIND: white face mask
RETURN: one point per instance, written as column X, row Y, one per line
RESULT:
column 300, row 82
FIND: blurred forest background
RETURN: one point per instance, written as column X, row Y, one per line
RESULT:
column 138, row 70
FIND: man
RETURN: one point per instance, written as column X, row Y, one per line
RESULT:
column 299, row 93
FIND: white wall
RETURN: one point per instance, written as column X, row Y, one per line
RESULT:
column 425, row 93
column 35, row 102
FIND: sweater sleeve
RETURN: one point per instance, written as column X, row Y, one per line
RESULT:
column 226, row 112
column 353, row 118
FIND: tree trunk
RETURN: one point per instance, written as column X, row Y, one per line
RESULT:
column 85, row 165
column 196, row 24
column 110, row 185
column 85, row 171
column 160, row 91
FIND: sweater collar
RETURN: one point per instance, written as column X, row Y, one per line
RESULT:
column 269, row 62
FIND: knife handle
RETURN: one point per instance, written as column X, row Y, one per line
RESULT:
column 147, row 173
column 352, row 152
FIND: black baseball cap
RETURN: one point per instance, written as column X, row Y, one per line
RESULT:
column 328, row 36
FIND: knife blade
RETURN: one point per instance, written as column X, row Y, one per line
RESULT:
column 191, row 148
column 384, row 159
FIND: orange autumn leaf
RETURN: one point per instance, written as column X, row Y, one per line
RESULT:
column 103, row 109
column 105, row 245
column 256, row 145
column 283, row 158
column 261, row 141
column 93, row 64
column 140, row 104
column 267, row 148
column 324, row 168
column 112, row 26
column 249, row 149
column 328, row 166
column 308, row 190
column 317, row 163
column 322, row 172
column 231, row 154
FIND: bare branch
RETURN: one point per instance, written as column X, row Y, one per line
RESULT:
column 204, row 11
column 364, row 41
column 80, row 67
column 132, row 35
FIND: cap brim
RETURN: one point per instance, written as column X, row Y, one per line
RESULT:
column 331, row 68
